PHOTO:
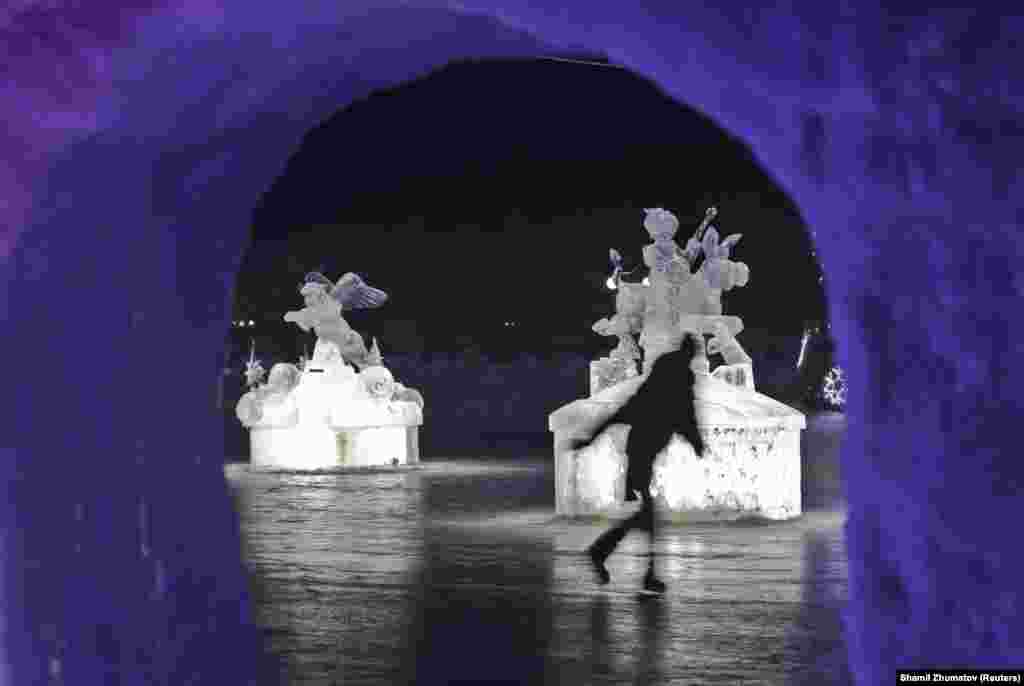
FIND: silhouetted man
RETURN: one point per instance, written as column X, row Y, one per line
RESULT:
column 661, row 407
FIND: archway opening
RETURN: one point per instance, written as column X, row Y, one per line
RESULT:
column 484, row 197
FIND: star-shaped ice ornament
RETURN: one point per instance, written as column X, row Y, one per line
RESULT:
column 254, row 373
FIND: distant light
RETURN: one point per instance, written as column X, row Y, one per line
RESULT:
column 252, row 323
column 610, row 283
column 647, row 281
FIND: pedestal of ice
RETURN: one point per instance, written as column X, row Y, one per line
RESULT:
column 752, row 466
column 329, row 421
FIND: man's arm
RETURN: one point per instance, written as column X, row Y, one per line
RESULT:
column 621, row 416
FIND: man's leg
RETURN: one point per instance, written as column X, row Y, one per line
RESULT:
column 649, row 523
column 646, row 522
column 606, row 544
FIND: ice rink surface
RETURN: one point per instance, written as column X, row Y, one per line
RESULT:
column 458, row 571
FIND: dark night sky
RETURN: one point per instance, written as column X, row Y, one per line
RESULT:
column 491, row 191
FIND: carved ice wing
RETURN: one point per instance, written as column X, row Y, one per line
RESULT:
column 711, row 242
column 692, row 249
column 726, row 246
column 353, row 293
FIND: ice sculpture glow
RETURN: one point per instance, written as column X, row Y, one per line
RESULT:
column 599, row 471
column 677, row 476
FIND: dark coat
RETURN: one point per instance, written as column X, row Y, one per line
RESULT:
column 653, row 421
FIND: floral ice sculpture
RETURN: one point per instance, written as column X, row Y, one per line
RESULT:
column 326, row 414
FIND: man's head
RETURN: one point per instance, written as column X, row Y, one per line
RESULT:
column 688, row 347
column 675, row 364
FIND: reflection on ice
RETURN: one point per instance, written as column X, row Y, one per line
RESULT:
column 159, row 579
column 143, row 530
column 357, row 575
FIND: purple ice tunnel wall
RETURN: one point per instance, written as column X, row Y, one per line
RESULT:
column 138, row 140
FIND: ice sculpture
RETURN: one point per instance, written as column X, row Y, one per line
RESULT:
column 622, row 361
column 323, row 413
column 254, row 371
column 325, row 302
column 753, row 461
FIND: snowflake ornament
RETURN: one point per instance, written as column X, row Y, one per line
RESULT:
column 834, row 388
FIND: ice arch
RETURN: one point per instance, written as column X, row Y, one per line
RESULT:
column 894, row 131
